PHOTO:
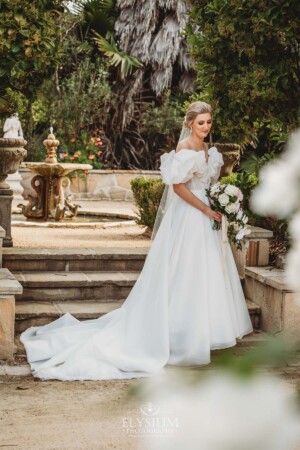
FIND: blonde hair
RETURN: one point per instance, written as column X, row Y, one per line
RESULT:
column 193, row 110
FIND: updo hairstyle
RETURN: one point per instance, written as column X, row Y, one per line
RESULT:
column 193, row 110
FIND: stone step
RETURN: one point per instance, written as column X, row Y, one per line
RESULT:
column 63, row 286
column 254, row 312
column 83, row 286
column 32, row 314
column 37, row 313
column 74, row 259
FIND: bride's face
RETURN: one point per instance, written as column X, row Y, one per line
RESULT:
column 202, row 125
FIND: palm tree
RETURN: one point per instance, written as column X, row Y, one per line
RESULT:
column 153, row 32
column 148, row 45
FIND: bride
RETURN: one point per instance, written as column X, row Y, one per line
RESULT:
column 185, row 302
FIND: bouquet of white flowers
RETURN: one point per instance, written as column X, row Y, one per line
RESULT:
column 227, row 199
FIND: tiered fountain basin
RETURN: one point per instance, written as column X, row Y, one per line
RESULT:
column 86, row 218
column 49, row 183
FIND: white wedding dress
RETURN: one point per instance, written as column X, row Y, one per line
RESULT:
column 183, row 304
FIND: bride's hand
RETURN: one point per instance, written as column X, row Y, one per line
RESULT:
column 216, row 215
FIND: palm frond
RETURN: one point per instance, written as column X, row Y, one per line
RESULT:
column 116, row 56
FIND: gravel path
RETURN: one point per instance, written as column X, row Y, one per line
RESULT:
column 122, row 236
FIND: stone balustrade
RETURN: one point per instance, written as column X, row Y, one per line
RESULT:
column 9, row 287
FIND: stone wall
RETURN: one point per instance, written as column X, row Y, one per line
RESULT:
column 280, row 307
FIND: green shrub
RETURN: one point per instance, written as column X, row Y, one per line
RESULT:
column 247, row 65
column 147, row 194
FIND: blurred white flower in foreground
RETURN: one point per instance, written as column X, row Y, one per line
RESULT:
column 224, row 412
column 278, row 194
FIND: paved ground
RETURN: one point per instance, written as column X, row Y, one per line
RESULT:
column 87, row 415
column 54, row 415
column 120, row 236
column 87, row 238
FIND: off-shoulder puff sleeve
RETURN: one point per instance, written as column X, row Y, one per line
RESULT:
column 179, row 167
column 216, row 162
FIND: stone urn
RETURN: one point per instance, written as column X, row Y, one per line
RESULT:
column 12, row 153
column 231, row 155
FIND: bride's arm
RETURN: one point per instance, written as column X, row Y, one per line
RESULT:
column 182, row 190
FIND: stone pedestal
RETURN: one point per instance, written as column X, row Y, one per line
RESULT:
column 6, row 197
column 2, row 235
column 255, row 250
column 7, row 326
column 9, row 287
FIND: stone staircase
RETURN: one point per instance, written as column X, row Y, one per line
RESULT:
column 84, row 282
column 90, row 282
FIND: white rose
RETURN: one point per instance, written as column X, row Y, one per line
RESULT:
column 231, row 208
column 223, row 199
column 231, row 189
column 215, row 188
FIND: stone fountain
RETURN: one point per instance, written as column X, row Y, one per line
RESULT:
column 49, row 184
column 12, row 153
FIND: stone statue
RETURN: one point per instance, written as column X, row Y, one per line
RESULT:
column 12, row 127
